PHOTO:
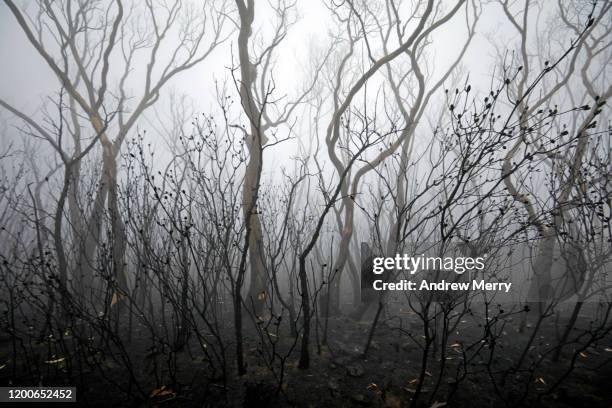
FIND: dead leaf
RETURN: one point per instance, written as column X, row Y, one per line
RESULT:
column 56, row 361
column 162, row 392
column 540, row 380
column 374, row 388
column 116, row 298
column 583, row 354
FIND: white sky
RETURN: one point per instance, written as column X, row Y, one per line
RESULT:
column 25, row 80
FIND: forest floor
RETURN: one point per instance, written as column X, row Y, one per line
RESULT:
column 388, row 376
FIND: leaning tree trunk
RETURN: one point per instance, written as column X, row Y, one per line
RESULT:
column 256, row 140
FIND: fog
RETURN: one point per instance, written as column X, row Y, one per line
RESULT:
column 196, row 198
